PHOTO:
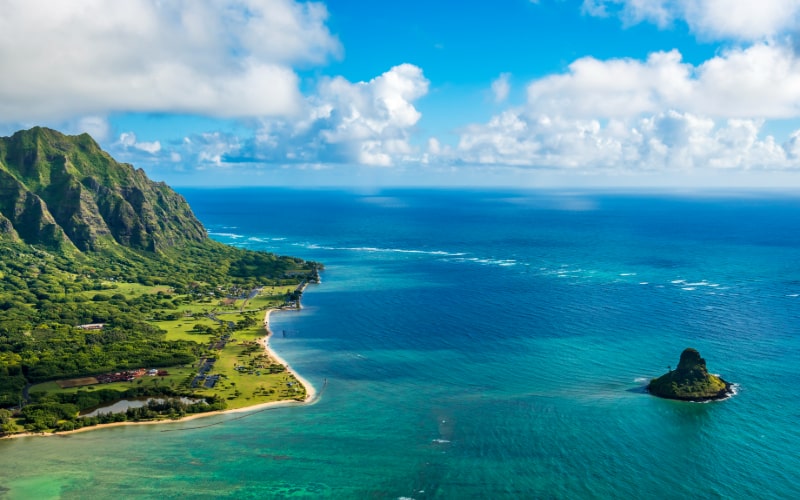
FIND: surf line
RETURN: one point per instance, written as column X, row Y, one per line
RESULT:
column 250, row 414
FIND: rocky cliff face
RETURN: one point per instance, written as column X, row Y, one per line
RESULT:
column 690, row 381
column 64, row 191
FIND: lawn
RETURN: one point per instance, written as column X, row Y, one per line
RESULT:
column 252, row 383
column 182, row 329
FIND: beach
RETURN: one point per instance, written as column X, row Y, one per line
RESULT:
column 311, row 392
column 311, row 395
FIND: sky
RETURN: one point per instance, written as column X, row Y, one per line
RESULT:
column 510, row 93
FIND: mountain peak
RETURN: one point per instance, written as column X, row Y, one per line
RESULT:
column 65, row 191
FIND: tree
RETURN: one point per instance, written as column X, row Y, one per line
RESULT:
column 7, row 423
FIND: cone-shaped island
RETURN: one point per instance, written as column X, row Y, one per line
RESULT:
column 690, row 381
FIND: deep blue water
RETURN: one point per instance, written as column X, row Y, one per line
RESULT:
column 483, row 344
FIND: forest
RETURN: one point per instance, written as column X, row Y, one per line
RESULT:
column 48, row 297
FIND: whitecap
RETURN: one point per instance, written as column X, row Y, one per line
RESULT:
column 388, row 250
column 228, row 235
column 644, row 283
column 688, row 288
column 627, row 274
column 441, row 441
column 676, row 282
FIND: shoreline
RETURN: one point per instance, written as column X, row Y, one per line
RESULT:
column 311, row 396
column 311, row 392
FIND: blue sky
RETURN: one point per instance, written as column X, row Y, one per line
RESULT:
column 625, row 93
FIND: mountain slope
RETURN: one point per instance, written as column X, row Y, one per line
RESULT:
column 65, row 191
column 85, row 240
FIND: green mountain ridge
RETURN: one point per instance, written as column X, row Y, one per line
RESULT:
column 65, row 192
column 85, row 240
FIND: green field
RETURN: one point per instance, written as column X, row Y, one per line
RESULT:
column 255, row 384
column 247, row 376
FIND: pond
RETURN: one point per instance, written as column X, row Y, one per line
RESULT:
column 122, row 405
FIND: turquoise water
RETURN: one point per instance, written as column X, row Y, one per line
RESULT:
column 488, row 345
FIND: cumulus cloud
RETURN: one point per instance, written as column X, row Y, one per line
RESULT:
column 762, row 81
column 128, row 140
column 501, row 87
column 714, row 19
column 367, row 123
column 96, row 126
column 211, row 148
column 669, row 140
column 215, row 57
column 661, row 113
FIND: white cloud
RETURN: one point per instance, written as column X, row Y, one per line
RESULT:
column 212, row 148
column 96, row 126
column 367, row 123
column 128, row 140
column 715, row 19
column 669, row 140
column 657, row 114
column 501, row 87
column 216, row 57
column 761, row 81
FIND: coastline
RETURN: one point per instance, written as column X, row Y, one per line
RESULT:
column 311, row 392
column 311, row 395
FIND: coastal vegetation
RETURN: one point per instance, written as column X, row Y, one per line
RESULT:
column 103, row 271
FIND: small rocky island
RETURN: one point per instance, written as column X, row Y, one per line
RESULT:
column 690, row 381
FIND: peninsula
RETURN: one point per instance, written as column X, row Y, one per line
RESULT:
column 111, row 290
column 690, row 381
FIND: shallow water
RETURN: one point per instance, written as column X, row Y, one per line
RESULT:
column 488, row 345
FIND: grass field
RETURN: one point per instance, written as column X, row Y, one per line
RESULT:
column 181, row 329
column 255, row 385
column 249, row 385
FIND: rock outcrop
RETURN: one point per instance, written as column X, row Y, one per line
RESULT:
column 690, row 381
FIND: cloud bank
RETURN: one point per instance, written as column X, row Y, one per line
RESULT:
column 88, row 59
column 661, row 113
column 213, row 57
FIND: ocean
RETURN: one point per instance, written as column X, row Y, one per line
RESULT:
column 488, row 344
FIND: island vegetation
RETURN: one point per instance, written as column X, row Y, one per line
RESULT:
column 690, row 381
column 110, row 289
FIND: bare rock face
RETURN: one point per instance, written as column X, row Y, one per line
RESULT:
column 690, row 381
